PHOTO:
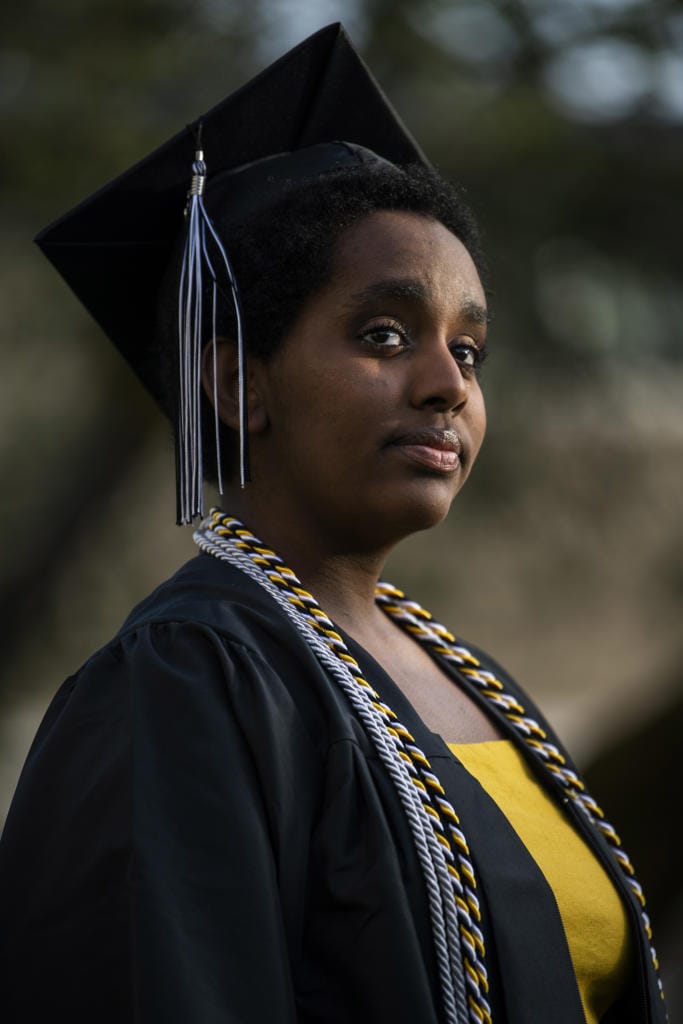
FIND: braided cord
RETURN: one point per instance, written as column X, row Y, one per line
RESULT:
column 439, row 839
column 420, row 624
column 440, row 843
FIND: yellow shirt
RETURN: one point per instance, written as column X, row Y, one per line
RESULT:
column 592, row 913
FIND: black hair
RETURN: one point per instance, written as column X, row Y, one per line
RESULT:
column 285, row 254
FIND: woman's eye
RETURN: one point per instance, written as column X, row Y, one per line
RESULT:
column 468, row 355
column 385, row 336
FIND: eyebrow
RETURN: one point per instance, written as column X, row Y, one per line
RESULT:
column 415, row 290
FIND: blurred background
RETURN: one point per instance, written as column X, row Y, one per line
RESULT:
column 564, row 120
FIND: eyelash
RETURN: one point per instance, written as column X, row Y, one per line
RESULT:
column 393, row 327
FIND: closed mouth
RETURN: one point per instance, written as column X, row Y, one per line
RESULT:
column 431, row 437
column 440, row 450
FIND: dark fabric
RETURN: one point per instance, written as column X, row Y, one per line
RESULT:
column 202, row 832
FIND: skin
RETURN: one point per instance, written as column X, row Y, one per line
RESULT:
column 386, row 349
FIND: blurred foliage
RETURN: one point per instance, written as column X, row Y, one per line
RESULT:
column 563, row 119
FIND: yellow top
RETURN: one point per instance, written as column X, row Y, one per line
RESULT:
column 592, row 913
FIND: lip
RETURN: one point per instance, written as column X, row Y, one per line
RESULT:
column 439, row 450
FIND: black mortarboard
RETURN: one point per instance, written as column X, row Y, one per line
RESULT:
column 114, row 248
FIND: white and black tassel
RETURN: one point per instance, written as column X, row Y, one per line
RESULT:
column 196, row 262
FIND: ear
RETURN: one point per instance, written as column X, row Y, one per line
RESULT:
column 226, row 390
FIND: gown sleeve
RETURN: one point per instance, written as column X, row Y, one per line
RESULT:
column 149, row 870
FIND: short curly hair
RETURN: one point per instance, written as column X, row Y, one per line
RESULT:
column 284, row 255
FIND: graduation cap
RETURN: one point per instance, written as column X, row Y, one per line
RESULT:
column 114, row 248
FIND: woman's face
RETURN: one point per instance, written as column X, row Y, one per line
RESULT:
column 374, row 413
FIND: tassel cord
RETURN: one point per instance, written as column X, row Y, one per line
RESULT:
column 196, row 264
column 241, row 351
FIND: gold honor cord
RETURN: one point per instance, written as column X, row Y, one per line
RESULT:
column 223, row 536
column 223, row 531
column 420, row 624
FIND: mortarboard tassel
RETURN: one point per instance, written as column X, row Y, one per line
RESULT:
column 195, row 262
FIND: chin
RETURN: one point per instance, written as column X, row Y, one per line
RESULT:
column 379, row 517
column 421, row 510
column 425, row 517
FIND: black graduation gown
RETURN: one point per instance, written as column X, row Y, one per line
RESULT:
column 203, row 832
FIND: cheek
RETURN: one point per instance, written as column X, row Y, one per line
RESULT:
column 339, row 402
column 481, row 412
column 477, row 416
column 346, row 397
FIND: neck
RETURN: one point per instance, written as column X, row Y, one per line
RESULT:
column 340, row 573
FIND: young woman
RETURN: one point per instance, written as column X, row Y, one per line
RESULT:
column 283, row 792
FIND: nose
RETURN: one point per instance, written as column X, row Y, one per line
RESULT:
column 438, row 382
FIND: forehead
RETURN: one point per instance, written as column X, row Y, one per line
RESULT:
column 397, row 244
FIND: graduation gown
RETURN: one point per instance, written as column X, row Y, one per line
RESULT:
column 203, row 832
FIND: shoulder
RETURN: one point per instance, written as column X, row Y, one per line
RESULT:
column 208, row 645
column 202, row 678
column 209, row 616
column 207, row 592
